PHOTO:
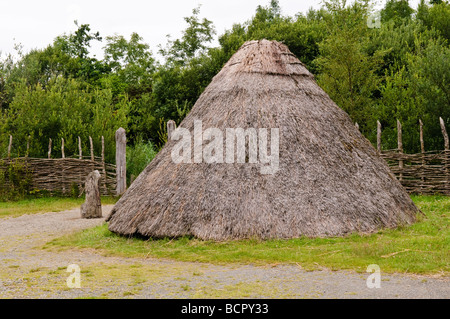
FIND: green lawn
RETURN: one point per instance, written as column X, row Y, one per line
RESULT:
column 43, row 205
column 419, row 248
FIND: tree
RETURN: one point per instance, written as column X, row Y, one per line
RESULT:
column 67, row 108
column 436, row 17
column 193, row 42
column 396, row 10
column 347, row 72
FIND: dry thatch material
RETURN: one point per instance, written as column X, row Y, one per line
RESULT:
column 330, row 182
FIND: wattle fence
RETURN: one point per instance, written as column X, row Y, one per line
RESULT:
column 66, row 175
column 62, row 175
column 427, row 172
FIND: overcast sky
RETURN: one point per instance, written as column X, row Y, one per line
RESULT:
column 35, row 24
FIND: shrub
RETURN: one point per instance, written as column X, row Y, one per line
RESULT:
column 15, row 180
column 138, row 157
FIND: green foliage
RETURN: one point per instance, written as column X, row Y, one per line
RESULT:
column 396, row 10
column 348, row 73
column 436, row 17
column 192, row 43
column 138, row 157
column 15, row 180
column 65, row 109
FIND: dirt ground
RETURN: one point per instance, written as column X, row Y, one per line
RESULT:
column 28, row 271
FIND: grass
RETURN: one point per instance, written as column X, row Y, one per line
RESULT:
column 420, row 248
column 44, row 205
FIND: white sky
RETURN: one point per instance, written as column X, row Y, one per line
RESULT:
column 35, row 23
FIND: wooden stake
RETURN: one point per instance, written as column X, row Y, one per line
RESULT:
column 92, row 148
column 28, row 146
column 444, row 133
column 422, row 150
column 422, row 144
column 121, row 161
column 50, row 148
column 62, row 148
column 103, row 163
column 378, row 137
column 80, row 150
column 400, row 148
column 446, row 152
column 9, row 146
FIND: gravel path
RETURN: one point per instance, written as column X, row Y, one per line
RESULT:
column 28, row 271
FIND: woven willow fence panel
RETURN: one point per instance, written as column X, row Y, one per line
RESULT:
column 63, row 174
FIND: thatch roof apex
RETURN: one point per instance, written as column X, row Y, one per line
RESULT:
column 267, row 57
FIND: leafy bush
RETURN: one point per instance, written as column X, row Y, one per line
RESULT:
column 138, row 157
column 15, row 180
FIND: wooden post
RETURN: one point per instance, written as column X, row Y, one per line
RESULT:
column 171, row 126
column 50, row 148
column 422, row 151
column 92, row 148
column 28, row 146
column 9, row 146
column 80, row 156
column 63, row 177
column 121, row 161
column 62, row 148
column 80, row 150
column 400, row 148
column 447, row 154
column 103, row 164
column 422, row 144
column 378, row 137
column 444, row 133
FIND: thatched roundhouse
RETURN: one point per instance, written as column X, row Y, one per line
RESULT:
column 330, row 180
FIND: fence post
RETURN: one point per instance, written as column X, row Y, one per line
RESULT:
column 62, row 148
column 422, row 150
column 171, row 126
column 103, row 165
column 80, row 151
column 9, row 146
column 28, row 146
column 357, row 125
column 378, row 137
column 49, row 148
column 400, row 148
column 121, row 161
column 63, row 176
column 444, row 133
column 92, row 148
column 447, row 154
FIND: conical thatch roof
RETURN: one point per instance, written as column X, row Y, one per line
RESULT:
column 330, row 180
